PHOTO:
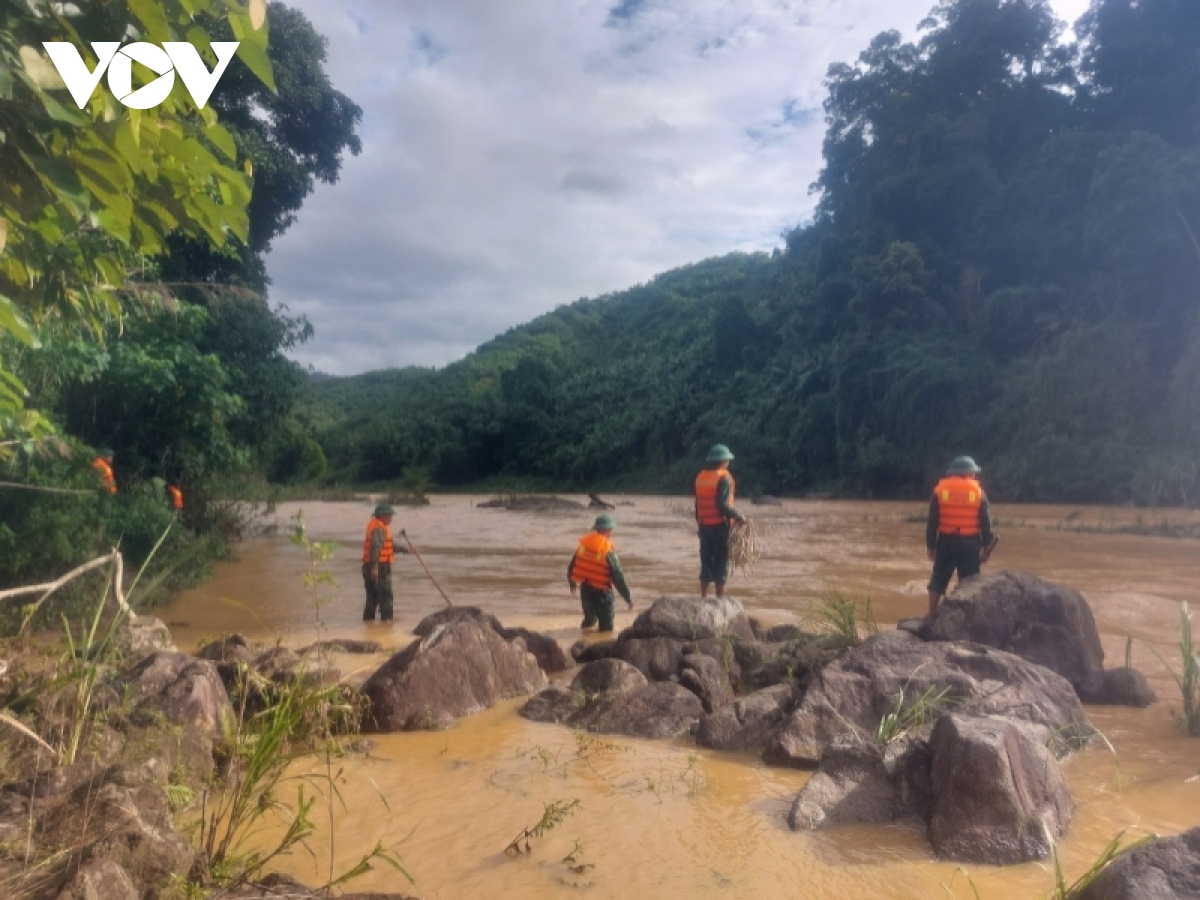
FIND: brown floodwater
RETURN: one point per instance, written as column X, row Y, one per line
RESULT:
column 667, row 820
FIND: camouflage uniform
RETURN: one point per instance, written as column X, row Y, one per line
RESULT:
column 379, row 591
column 714, row 539
column 599, row 606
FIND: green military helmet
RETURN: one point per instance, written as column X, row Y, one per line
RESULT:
column 718, row 453
column 384, row 509
column 604, row 522
column 963, row 465
column 105, row 452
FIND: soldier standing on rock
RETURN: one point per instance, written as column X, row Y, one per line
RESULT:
column 958, row 532
column 594, row 571
column 714, row 512
column 378, row 552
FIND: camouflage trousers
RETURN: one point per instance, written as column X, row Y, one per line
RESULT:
column 598, row 606
column 379, row 592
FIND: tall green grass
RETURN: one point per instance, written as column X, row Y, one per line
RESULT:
column 1188, row 678
column 842, row 620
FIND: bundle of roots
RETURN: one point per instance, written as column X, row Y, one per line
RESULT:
column 745, row 548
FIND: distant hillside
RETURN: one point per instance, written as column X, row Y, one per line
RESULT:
column 1003, row 262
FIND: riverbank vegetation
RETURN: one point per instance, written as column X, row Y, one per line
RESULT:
column 1003, row 261
column 149, row 332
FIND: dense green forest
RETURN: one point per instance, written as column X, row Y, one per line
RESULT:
column 133, row 296
column 1003, row 261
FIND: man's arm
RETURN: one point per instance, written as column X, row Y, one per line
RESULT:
column 377, row 539
column 571, row 572
column 931, row 524
column 724, row 489
column 618, row 577
column 985, row 522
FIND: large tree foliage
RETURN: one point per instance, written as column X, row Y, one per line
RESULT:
column 1003, row 262
column 84, row 194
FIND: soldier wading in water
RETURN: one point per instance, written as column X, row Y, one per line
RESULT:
column 378, row 552
column 594, row 571
column 714, row 512
column 958, row 532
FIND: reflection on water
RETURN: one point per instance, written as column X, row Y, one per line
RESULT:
column 670, row 820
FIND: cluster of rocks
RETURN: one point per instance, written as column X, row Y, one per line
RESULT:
column 105, row 820
column 958, row 722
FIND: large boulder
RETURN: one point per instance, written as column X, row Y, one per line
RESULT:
column 706, row 678
column 433, row 621
column 851, row 786
column 459, row 669
column 182, row 689
column 657, row 710
column 100, row 879
column 128, row 825
column 1045, row 623
column 746, row 723
column 1163, row 869
column 691, row 619
column 860, row 782
column 545, row 649
column 853, row 694
column 999, row 796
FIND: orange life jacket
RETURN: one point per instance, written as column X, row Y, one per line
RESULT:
column 707, row 511
column 176, row 496
column 104, row 470
column 387, row 551
column 959, row 500
column 591, row 561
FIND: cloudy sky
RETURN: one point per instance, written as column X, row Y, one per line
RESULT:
column 520, row 155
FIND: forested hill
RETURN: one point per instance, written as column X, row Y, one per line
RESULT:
column 1003, row 262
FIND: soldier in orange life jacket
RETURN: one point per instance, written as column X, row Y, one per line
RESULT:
column 378, row 552
column 175, row 495
column 103, row 468
column 958, row 529
column 594, row 571
column 714, row 512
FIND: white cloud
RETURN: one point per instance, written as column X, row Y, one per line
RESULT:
column 518, row 156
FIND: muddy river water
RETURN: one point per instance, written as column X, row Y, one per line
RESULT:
column 668, row 820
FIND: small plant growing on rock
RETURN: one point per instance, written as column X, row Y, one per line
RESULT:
column 1115, row 848
column 904, row 718
column 842, row 620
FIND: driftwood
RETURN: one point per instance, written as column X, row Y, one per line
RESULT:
column 599, row 503
column 50, row 587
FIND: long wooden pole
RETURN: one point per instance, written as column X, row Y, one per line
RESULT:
column 413, row 551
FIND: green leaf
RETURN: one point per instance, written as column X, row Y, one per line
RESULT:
column 6, row 82
column 14, row 323
column 253, row 49
column 154, row 22
column 222, row 140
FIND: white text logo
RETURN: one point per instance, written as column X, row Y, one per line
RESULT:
column 165, row 61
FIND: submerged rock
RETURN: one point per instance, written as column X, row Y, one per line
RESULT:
column 278, row 886
column 1163, row 869
column 854, row 693
column 657, row 710
column 613, row 697
column 1045, row 623
column 999, row 796
column 1127, row 687
column 459, row 669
